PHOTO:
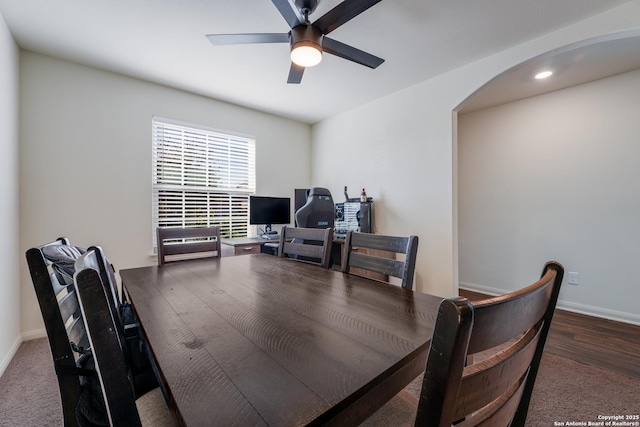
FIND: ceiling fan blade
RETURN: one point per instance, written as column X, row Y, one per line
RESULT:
column 288, row 12
column 342, row 13
column 295, row 74
column 248, row 38
column 345, row 51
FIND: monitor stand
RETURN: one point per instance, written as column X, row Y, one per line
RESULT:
column 269, row 233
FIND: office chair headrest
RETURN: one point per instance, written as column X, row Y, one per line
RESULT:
column 319, row 191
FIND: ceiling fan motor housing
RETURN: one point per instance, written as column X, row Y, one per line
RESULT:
column 306, row 35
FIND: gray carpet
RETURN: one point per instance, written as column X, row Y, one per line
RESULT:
column 29, row 393
column 570, row 391
column 565, row 391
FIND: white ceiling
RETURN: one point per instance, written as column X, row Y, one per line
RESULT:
column 163, row 41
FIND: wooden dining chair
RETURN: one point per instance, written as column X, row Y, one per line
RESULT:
column 354, row 257
column 306, row 244
column 111, row 381
column 51, row 265
column 505, row 336
column 142, row 369
column 187, row 240
column 62, row 321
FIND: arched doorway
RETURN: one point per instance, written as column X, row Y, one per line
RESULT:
column 553, row 169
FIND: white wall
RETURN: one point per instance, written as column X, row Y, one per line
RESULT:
column 85, row 158
column 402, row 148
column 9, row 248
column 554, row 177
column 394, row 152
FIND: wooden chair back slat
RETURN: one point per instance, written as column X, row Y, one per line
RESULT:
column 303, row 250
column 189, row 248
column 189, row 232
column 372, row 241
column 500, row 411
column 503, row 339
column 404, row 246
column 388, row 266
column 306, row 244
column 303, row 233
column 211, row 244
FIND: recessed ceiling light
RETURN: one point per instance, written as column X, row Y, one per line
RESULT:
column 543, row 75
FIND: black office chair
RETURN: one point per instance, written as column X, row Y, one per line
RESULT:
column 318, row 212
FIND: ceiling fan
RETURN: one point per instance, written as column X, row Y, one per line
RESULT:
column 309, row 40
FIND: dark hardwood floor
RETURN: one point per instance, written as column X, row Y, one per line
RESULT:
column 607, row 344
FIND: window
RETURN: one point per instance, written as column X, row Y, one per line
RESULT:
column 201, row 178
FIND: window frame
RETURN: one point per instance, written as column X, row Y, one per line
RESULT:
column 201, row 177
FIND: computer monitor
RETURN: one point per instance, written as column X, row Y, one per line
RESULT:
column 269, row 210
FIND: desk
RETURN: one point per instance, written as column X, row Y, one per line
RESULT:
column 262, row 340
column 243, row 245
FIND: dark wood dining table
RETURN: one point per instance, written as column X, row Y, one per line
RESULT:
column 258, row 340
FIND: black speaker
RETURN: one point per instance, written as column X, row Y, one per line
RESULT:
column 299, row 198
column 365, row 217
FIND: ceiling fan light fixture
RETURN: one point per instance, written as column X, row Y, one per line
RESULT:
column 306, row 54
column 306, row 45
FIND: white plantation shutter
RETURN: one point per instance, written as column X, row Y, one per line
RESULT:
column 201, row 177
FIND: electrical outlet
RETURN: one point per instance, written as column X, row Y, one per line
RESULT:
column 573, row 278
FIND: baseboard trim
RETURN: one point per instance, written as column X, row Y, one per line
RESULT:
column 10, row 354
column 24, row 336
column 618, row 316
column 35, row 334
column 589, row 310
column 481, row 289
